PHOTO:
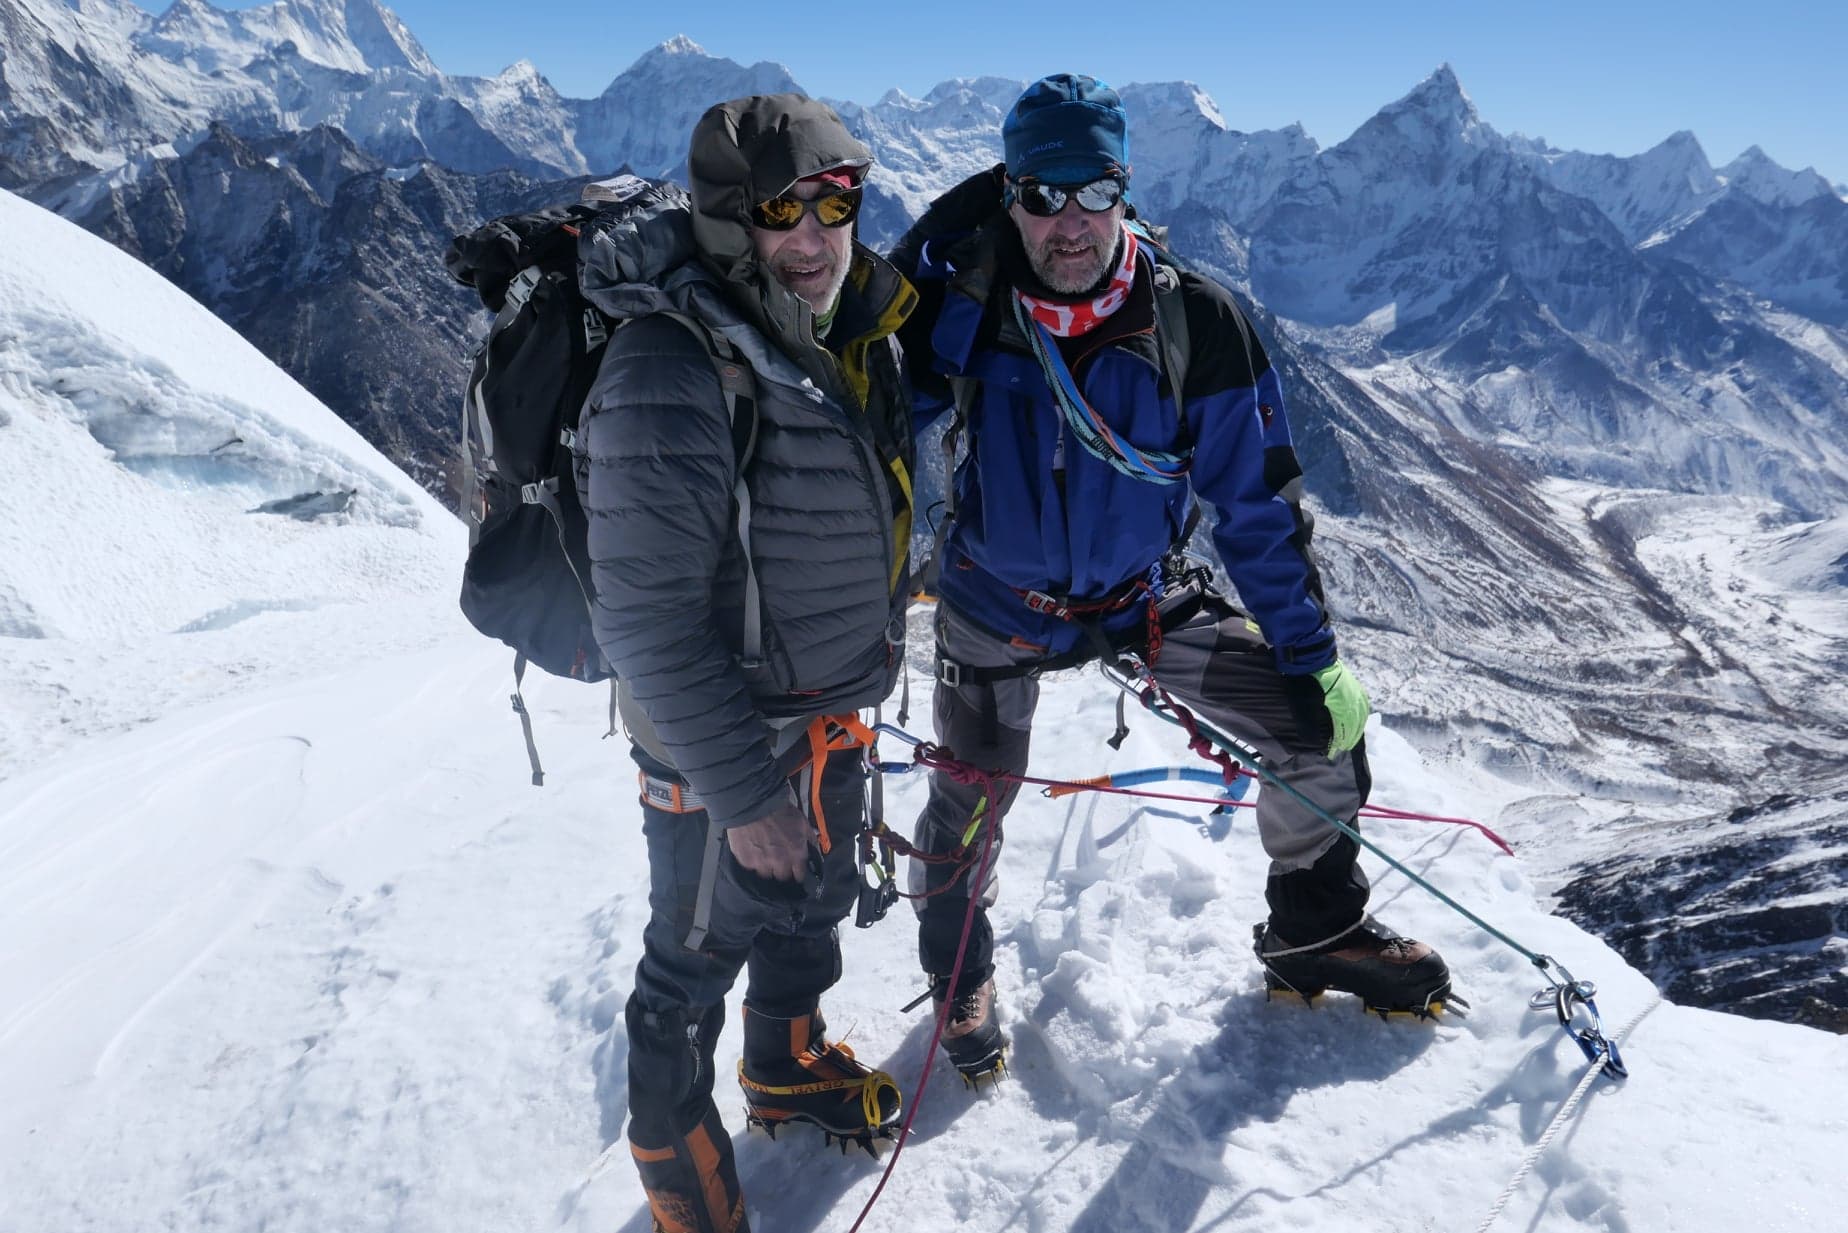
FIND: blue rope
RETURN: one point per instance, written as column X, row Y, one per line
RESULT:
column 1234, row 791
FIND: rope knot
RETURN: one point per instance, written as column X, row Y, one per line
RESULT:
column 941, row 760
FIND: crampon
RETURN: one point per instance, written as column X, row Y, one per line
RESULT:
column 972, row 1039
column 1393, row 977
column 762, row 1115
column 814, row 1081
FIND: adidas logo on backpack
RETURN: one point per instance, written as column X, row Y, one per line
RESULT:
column 527, row 580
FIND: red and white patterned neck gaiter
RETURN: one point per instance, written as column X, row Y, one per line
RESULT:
column 1071, row 320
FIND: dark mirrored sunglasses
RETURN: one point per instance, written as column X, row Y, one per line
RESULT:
column 1045, row 200
column 785, row 213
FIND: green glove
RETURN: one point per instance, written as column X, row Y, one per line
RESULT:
column 1347, row 705
column 1329, row 704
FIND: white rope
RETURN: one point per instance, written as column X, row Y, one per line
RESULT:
column 1303, row 950
column 1559, row 1119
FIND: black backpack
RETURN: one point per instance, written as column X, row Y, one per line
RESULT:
column 527, row 578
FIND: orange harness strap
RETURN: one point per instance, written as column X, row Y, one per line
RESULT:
column 830, row 734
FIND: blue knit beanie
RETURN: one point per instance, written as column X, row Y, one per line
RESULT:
column 1066, row 129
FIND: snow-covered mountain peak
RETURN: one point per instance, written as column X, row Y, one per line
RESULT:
column 518, row 90
column 996, row 93
column 1761, row 178
column 924, row 145
column 665, row 58
column 1182, row 97
column 382, row 36
column 644, row 117
column 354, row 36
column 1182, row 147
column 1441, row 103
column 1643, row 193
column 1431, row 128
column 682, row 69
column 521, row 70
column 194, row 33
column 123, row 16
column 1678, row 157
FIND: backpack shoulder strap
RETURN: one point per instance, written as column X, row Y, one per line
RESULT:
column 738, row 384
column 1170, row 310
column 962, row 393
column 1171, row 325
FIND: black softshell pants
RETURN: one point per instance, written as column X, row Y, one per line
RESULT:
column 784, row 933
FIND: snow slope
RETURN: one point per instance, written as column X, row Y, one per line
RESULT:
column 318, row 957
column 288, row 942
column 158, row 486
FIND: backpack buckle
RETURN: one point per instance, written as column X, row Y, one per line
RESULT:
column 1048, row 605
column 532, row 494
column 669, row 796
column 520, row 290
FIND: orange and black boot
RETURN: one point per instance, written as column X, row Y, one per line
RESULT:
column 692, row 1183
column 790, row 1073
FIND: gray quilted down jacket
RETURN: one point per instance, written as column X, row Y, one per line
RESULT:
column 828, row 482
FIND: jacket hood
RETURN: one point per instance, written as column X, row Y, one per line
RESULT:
column 642, row 254
column 749, row 150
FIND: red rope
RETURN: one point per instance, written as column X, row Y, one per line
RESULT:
column 940, row 759
column 1199, row 744
column 964, row 773
column 1384, row 812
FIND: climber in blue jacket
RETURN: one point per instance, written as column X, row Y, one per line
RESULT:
column 1101, row 390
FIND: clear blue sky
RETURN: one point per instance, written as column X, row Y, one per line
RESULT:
column 1613, row 77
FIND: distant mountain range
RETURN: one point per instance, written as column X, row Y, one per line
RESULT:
column 1582, row 420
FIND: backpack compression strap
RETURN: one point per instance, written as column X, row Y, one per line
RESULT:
column 739, row 386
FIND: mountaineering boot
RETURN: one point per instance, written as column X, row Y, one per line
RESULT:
column 1388, row 973
column 971, row 1035
column 790, row 1073
column 692, row 1183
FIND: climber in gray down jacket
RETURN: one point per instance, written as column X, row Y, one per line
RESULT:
column 742, row 663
